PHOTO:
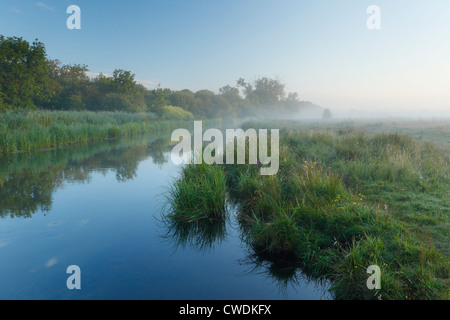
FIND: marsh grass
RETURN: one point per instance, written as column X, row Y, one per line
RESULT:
column 199, row 194
column 26, row 131
column 342, row 202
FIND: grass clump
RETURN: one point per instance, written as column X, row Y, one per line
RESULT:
column 199, row 194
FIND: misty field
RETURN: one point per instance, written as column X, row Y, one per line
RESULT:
column 348, row 195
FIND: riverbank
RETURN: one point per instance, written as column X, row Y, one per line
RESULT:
column 34, row 130
column 27, row 131
column 345, row 201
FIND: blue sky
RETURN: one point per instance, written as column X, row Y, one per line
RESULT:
column 320, row 49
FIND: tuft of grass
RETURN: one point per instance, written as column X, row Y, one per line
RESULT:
column 199, row 194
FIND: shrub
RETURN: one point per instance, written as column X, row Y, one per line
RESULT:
column 174, row 113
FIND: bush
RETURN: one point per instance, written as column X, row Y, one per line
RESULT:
column 117, row 102
column 75, row 102
column 174, row 113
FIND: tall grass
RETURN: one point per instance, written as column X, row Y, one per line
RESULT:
column 336, row 207
column 199, row 194
column 25, row 131
column 340, row 203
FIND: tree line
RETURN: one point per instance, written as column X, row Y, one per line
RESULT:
column 30, row 80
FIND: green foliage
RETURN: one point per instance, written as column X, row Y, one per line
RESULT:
column 75, row 102
column 116, row 101
column 24, row 77
column 174, row 113
column 28, row 79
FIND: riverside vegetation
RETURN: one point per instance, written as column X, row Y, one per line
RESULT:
column 340, row 203
column 44, row 104
column 31, row 130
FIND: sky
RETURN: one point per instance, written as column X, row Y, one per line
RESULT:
column 321, row 49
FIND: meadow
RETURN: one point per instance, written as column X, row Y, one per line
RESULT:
column 345, row 198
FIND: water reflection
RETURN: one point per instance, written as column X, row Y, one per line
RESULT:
column 119, row 249
column 28, row 180
column 283, row 273
column 201, row 235
column 205, row 235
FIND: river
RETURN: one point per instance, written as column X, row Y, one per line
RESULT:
column 99, row 207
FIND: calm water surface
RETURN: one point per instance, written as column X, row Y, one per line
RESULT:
column 99, row 207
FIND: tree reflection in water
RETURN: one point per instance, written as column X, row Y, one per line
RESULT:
column 28, row 180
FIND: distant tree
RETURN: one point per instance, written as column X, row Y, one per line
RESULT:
column 269, row 91
column 246, row 87
column 124, row 81
column 205, row 104
column 75, row 102
column 221, row 108
column 29, row 80
column 74, row 74
column 184, row 99
column 72, row 84
column 264, row 92
column 115, row 101
column 327, row 114
column 157, row 98
column 292, row 103
column 232, row 94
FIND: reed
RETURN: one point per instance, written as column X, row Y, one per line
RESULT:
column 26, row 131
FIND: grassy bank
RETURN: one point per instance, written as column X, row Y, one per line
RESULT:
column 26, row 131
column 342, row 202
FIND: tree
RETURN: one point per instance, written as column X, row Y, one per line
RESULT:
column 269, row 91
column 232, row 94
column 157, row 98
column 205, row 104
column 326, row 114
column 75, row 102
column 264, row 92
column 184, row 99
column 72, row 86
column 124, row 81
column 24, row 73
